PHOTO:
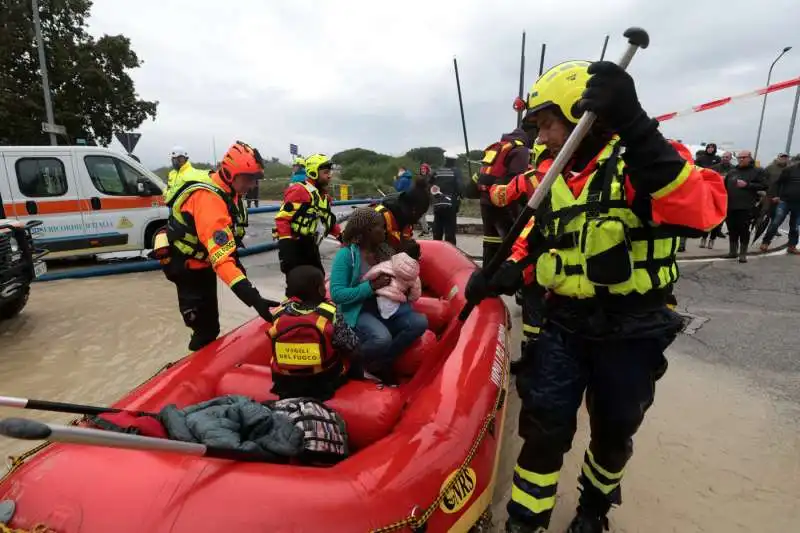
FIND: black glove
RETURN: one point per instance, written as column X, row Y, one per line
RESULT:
column 507, row 279
column 262, row 308
column 477, row 288
column 250, row 296
column 611, row 94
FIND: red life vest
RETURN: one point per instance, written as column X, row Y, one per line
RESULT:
column 394, row 233
column 495, row 158
column 303, row 344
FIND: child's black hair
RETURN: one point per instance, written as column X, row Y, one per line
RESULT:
column 412, row 249
column 304, row 282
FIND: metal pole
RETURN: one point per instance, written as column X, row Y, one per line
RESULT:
column 764, row 103
column 605, row 44
column 48, row 105
column 791, row 122
column 463, row 121
column 541, row 59
column 521, row 78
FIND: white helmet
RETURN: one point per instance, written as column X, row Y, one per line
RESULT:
column 450, row 155
column 178, row 151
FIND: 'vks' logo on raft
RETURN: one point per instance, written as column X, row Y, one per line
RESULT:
column 460, row 491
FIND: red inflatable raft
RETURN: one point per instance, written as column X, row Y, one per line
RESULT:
column 424, row 452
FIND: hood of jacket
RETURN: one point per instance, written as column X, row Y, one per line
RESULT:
column 516, row 135
column 409, row 205
column 404, row 267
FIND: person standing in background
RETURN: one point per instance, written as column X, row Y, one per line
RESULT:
column 708, row 158
column 181, row 169
column 743, row 184
column 447, row 188
column 787, row 202
column 402, row 182
column 298, row 170
column 252, row 196
column 422, row 181
column 723, row 167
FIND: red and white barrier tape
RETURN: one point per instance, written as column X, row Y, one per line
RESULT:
column 775, row 87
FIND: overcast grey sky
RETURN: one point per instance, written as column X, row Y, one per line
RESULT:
column 331, row 75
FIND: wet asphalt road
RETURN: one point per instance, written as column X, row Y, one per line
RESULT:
column 753, row 313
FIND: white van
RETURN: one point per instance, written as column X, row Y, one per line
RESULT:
column 90, row 200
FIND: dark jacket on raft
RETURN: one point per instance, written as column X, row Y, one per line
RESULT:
column 235, row 422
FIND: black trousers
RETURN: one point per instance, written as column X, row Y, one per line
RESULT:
column 618, row 378
column 497, row 222
column 533, row 309
column 444, row 224
column 301, row 251
column 198, row 304
column 739, row 229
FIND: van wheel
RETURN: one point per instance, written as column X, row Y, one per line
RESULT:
column 13, row 307
column 150, row 233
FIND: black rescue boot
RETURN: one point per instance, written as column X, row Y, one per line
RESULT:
column 586, row 521
column 733, row 251
column 593, row 506
column 513, row 526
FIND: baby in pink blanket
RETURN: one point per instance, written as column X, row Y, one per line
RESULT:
column 405, row 285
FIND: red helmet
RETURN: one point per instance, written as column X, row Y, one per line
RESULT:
column 241, row 159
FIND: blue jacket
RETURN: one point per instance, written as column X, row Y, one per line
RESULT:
column 403, row 181
column 298, row 177
column 347, row 291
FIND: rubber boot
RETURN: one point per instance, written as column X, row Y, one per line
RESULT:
column 743, row 244
column 734, row 249
column 703, row 242
column 710, row 244
column 512, row 526
column 587, row 522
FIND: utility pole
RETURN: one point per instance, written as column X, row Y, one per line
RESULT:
column 791, row 122
column 764, row 103
column 521, row 78
column 48, row 104
column 463, row 120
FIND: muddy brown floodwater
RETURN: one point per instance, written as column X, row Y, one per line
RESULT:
column 715, row 454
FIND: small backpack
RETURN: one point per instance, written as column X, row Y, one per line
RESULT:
column 325, row 432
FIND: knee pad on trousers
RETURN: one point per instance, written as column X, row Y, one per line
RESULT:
column 612, row 445
column 189, row 317
column 545, row 434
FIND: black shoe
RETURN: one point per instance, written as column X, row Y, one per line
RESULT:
column 586, row 522
column 512, row 526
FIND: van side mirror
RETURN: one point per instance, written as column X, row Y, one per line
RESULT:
column 145, row 187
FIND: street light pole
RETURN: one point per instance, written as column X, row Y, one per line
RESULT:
column 791, row 122
column 764, row 103
column 48, row 104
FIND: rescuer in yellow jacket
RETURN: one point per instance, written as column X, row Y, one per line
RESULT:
column 205, row 227
column 181, row 170
column 306, row 217
column 604, row 245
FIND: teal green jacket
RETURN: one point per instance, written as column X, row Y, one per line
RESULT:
column 348, row 292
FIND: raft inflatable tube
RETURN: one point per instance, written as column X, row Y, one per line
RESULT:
column 425, row 453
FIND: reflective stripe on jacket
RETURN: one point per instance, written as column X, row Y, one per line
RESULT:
column 595, row 242
column 205, row 226
column 303, row 207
